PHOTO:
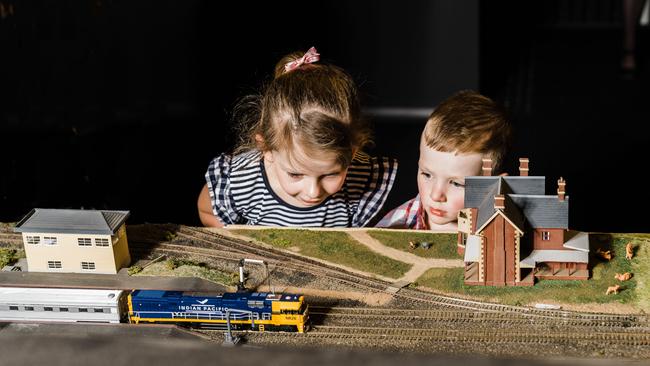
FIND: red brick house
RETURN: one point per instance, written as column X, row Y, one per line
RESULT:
column 511, row 232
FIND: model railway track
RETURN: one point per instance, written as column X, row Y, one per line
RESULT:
column 491, row 336
column 289, row 260
column 360, row 315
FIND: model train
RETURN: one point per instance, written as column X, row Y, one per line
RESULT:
column 260, row 311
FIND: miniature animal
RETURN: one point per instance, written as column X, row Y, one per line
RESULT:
column 607, row 255
column 629, row 251
column 613, row 289
column 623, row 277
column 412, row 245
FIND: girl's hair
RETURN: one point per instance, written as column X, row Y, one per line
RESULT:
column 469, row 122
column 314, row 106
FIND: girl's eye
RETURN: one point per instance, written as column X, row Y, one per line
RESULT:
column 457, row 184
column 295, row 175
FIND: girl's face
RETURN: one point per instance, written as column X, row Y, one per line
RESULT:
column 441, row 184
column 303, row 180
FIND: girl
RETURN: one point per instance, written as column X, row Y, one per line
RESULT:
column 299, row 162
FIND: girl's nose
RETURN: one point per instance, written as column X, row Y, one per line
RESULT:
column 314, row 190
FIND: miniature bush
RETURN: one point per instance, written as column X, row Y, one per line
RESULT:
column 171, row 264
column 134, row 270
column 7, row 256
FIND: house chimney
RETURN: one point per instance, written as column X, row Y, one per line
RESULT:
column 499, row 202
column 561, row 183
column 523, row 167
column 487, row 167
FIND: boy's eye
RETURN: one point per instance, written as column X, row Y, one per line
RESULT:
column 457, row 184
column 426, row 175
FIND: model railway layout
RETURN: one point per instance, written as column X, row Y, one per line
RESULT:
column 433, row 321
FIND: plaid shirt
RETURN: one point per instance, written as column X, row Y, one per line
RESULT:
column 408, row 215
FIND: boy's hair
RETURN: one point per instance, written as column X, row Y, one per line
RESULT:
column 315, row 106
column 469, row 122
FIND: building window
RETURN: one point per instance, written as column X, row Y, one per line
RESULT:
column 101, row 242
column 49, row 240
column 462, row 215
column 29, row 308
column 83, row 310
column 53, row 264
column 546, row 235
column 88, row 266
column 47, row 308
column 33, row 239
column 13, row 308
column 97, row 310
column 63, row 310
column 84, row 242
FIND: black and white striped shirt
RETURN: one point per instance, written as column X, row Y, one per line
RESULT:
column 241, row 194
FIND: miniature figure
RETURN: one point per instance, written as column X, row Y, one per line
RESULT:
column 629, row 251
column 623, row 277
column 606, row 255
column 613, row 289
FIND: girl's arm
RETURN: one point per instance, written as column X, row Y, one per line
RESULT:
column 205, row 209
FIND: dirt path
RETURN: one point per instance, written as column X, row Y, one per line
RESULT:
column 420, row 265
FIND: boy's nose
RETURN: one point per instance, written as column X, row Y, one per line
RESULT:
column 438, row 194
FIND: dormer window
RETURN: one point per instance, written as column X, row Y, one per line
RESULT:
column 546, row 235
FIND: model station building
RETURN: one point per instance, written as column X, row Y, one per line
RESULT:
column 510, row 232
column 77, row 241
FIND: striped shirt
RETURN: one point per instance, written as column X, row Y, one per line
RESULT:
column 241, row 194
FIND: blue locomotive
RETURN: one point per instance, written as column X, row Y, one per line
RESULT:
column 260, row 311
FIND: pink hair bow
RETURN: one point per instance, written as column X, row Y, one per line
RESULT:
column 309, row 57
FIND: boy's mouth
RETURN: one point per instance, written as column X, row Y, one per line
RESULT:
column 435, row 212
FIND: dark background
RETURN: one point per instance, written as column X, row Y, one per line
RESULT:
column 122, row 104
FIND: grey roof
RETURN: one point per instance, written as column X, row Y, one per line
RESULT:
column 543, row 211
column 526, row 185
column 524, row 201
column 567, row 256
column 71, row 221
column 577, row 240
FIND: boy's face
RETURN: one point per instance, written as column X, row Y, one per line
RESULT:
column 303, row 180
column 441, row 184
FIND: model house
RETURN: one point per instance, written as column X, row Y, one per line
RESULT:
column 511, row 232
column 75, row 240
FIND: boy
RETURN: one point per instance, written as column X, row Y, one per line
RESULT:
column 459, row 134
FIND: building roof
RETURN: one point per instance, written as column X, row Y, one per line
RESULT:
column 67, row 221
column 524, row 201
column 546, row 255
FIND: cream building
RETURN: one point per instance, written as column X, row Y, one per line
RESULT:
column 80, row 241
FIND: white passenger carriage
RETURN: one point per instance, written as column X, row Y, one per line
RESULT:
column 64, row 305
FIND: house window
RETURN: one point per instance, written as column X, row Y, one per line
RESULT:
column 29, row 308
column 101, row 242
column 88, row 266
column 53, row 264
column 546, row 235
column 98, row 310
column 84, row 242
column 63, row 309
column 33, row 239
column 13, row 307
column 49, row 240
column 462, row 215
column 83, row 310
